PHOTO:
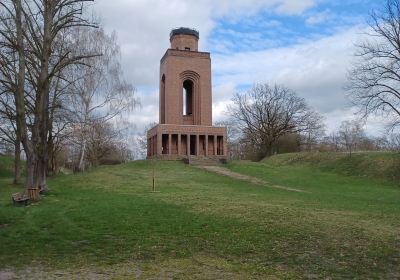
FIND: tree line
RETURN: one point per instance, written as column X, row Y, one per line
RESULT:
column 349, row 137
column 269, row 119
column 63, row 95
column 61, row 86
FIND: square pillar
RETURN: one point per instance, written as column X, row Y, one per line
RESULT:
column 179, row 145
column 154, row 145
column 206, row 139
column 188, row 145
column 159, row 144
column 197, row 144
column 169, row 144
column 225, row 145
column 215, row 145
column 152, row 140
column 150, row 147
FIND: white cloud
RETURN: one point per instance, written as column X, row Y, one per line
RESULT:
column 374, row 126
column 143, row 26
column 148, row 112
column 295, row 7
column 143, row 30
column 315, row 69
column 321, row 17
column 248, row 7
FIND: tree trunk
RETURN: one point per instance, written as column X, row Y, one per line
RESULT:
column 40, row 127
column 53, row 166
column 81, row 164
column 17, row 162
column 51, row 152
column 30, row 146
column 30, row 171
column 31, row 176
column 20, row 99
column 42, row 175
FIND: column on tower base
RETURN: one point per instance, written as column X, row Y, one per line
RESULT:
column 174, row 142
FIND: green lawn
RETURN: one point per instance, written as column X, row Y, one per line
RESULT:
column 206, row 226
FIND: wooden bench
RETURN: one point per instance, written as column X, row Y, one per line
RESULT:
column 19, row 198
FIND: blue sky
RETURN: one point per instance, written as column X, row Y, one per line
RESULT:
column 267, row 29
column 306, row 45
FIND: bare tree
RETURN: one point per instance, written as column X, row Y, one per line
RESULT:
column 374, row 81
column 265, row 114
column 140, row 141
column 100, row 142
column 8, row 130
column 233, row 132
column 315, row 131
column 29, row 33
column 11, row 68
column 98, row 94
column 236, row 146
column 393, row 142
column 351, row 133
column 335, row 141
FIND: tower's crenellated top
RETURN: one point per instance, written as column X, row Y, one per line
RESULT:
column 184, row 39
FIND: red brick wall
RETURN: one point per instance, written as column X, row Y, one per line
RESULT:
column 181, row 42
column 173, row 65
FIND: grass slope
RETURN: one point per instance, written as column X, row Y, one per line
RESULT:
column 207, row 226
column 383, row 166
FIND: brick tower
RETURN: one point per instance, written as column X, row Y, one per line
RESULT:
column 185, row 125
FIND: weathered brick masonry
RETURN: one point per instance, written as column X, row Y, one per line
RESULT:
column 185, row 123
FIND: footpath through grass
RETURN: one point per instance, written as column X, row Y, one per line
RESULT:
column 206, row 226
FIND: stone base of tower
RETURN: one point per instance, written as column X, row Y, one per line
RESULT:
column 174, row 142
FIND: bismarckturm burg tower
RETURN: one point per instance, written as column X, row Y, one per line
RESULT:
column 185, row 126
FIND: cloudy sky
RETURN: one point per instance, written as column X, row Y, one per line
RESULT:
column 307, row 45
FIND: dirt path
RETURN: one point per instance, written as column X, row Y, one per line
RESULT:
column 254, row 180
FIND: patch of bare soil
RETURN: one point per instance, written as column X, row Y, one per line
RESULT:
column 197, row 267
column 253, row 180
column 7, row 275
column 1, row 227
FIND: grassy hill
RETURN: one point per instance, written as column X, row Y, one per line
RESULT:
column 375, row 165
column 201, row 225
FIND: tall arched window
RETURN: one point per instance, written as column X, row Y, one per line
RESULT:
column 187, row 97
